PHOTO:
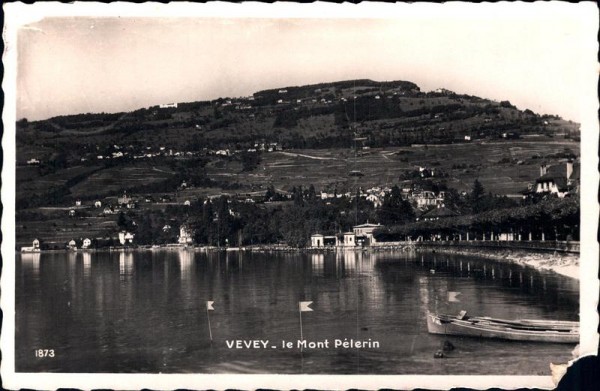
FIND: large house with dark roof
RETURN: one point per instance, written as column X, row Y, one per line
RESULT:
column 561, row 180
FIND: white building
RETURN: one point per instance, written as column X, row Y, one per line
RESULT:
column 186, row 235
column 87, row 243
column 366, row 231
column 72, row 245
column 375, row 199
column 316, row 241
column 349, row 239
column 125, row 238
column 35, row 247
column 560, row 180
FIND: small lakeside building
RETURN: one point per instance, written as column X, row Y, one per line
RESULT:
column 35, row 247
column 360, row 236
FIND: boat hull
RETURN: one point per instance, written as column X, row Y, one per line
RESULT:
column 532, row 331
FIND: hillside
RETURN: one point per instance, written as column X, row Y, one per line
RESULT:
column 316, row 116
column 280, row 138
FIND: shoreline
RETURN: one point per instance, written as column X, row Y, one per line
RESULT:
column 565, row 264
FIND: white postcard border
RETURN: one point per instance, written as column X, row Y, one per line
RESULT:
column 19, row 14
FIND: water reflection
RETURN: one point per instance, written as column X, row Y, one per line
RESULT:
column 487, row 274
column 149, row 314
column 186, row 262
column 317, row 264
column 31, row 262
column 87, row 264
column 72, row 259
column 125, row 264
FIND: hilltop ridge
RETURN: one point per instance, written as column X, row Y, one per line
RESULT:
column 324, row 115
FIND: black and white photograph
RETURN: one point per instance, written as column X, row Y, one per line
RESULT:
column 373, row 196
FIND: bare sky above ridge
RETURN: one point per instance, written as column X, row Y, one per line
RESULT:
column 91, row 64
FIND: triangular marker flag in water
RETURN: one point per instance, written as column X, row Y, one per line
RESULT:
column 209, row 306
column 452, row 297
column 304, row 306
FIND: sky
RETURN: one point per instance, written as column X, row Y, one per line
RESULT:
column 538, row 60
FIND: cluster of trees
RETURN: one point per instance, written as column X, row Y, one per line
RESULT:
column 225, row 221
column 479, row 201
column 557, row 218
column 270, row 97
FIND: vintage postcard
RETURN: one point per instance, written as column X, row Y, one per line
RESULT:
column 324, row 196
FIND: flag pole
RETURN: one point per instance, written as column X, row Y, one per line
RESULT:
column 301, row 336
column 303, row 306
column 209, row 328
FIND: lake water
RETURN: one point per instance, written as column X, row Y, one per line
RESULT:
column 145, row 311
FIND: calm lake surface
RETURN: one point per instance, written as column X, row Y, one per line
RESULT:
column 145, row 311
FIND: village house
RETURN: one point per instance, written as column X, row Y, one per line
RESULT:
column 325, row 195
column 72, row 245
column 168, row 105
column 87, row 243
column 375, row 199
column 33, row 162
column 97, row 204
column 443, row 91
column 108, row 210
column 72, row 213
column 35, row 247
column 186, row 235
column 427, row 198
column 124, row 200
column 560, row 180
column 126, row 238
column 78, row 203
column 425, row 172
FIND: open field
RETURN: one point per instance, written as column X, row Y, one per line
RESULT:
column 30, row 181
column 120, row 177
column 503, row 167
column 384, row 166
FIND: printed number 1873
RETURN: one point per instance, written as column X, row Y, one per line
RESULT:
column 44, row 352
